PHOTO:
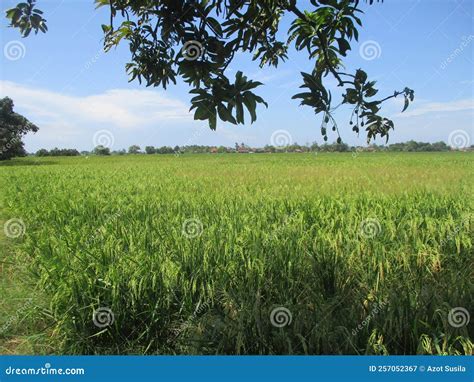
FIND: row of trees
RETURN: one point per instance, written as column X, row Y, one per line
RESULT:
column 410, row 146
column 57, row 153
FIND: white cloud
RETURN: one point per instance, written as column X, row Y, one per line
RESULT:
column 71, row 121
column 266, row 75
column 439, row 107
column 119, row 108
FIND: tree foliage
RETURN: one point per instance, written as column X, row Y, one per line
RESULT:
column 26, row 18
column 57, row 153
column 198, row 39
column 101, row 150
column 134, row 149
column 12, row 128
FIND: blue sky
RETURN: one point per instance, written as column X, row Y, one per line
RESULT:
column 65, row 84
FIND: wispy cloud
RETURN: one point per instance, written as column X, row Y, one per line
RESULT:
column 71, row 121
column 267, row 75
column 439, row 107
column 118, row 108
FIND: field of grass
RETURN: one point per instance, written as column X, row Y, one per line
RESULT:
column 244, row 254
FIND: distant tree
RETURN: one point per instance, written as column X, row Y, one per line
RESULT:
column 165, row 150
column 440, row 146
column 54, row 152
column 42, row 153
column 101, row 150
column 71, row 152
column 12, row 128
column 58, row 152
column 334, row 147
column 270, row 148
column 134, row 149
column 150, row 150
column 197, row 41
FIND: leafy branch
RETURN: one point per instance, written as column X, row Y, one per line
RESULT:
column 196, row 40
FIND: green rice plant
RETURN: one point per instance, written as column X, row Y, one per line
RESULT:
column 250, row 254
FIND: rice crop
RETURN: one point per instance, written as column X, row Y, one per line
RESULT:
column 249, row 254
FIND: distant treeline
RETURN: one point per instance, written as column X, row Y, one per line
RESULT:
column 410, row 146
column 57, row 153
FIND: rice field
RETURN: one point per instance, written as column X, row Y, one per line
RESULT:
column 246, row 254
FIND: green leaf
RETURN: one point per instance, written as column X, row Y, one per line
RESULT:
column 406, row 104
column 344, row 45
column 251, row 105
column 202, row 112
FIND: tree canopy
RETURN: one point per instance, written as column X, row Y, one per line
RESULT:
column 198, row 39
column 12, row 128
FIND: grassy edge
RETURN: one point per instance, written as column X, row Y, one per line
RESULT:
column 22, row 327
